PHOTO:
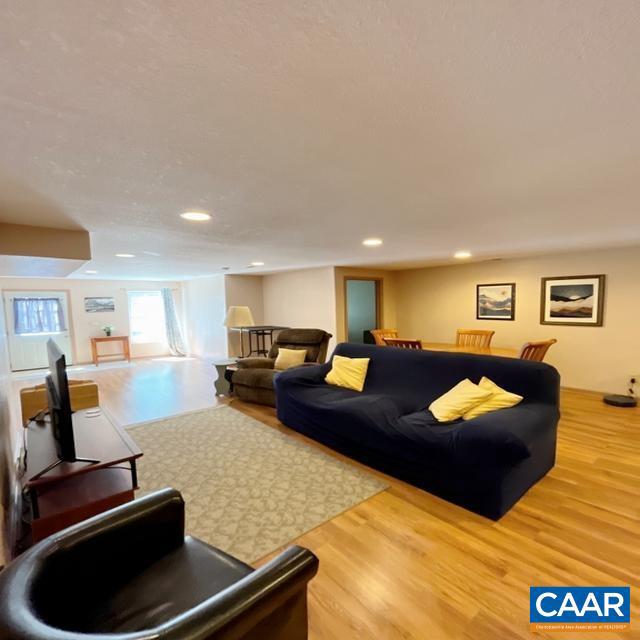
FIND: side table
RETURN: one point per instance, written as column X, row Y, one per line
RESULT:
column 123, row 340
column 223, row 382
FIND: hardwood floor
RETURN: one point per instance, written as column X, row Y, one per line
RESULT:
column 151, row 388
column 405, row 564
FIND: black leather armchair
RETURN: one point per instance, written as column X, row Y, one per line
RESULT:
column 130, row 574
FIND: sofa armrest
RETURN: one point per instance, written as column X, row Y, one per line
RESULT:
column 309, row 373
column 247, row 603
column 507, row 435
column 256, row 363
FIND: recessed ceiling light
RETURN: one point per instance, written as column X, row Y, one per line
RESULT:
column 195, row 216
column 257, row 264
column 462, row 255
column 91, row 271
column 372, row 242
column 125, row 255
column 151, row 253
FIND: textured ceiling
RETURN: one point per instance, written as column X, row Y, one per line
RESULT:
column 503, row 127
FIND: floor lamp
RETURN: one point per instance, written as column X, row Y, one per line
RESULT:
column 237, row 319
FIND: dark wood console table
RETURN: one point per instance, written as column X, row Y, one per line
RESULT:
column 74, row 491
column 261, row 333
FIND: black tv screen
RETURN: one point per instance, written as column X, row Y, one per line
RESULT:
column 59, row 403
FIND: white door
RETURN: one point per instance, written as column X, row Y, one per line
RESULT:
column 32, row 318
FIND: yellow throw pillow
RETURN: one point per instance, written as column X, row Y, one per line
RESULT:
column 457, row 401
column 288, row 358
column 500, row 399
column 349, row 373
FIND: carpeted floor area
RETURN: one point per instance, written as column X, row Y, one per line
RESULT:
column 248, row 488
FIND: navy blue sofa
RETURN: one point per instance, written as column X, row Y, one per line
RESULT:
column 484, row 465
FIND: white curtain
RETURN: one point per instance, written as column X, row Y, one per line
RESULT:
column 38, row 315
column 174, row 335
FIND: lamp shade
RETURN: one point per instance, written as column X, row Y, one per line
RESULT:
column 239, row 317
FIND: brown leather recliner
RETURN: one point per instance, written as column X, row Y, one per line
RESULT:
column 253, row 381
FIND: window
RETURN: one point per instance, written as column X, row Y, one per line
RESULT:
column 38, row 315
column 146, row 316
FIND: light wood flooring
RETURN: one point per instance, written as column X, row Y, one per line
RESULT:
column 407, row 565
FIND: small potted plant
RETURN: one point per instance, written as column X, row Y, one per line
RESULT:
column 108, row 329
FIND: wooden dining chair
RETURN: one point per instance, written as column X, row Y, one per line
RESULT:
column 536, row 350
column 473, row 338
column 403, row 343
column 380, row 334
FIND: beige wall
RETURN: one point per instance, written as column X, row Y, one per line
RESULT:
column 389, row 302
column 204, row 310
column 432, row 303
column 86, row 324
column 304, row 299
column 24, row 240
column 243, row 291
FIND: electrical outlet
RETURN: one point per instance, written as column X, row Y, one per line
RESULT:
column 632, row 381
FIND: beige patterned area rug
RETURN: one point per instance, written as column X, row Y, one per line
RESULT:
column 249, row 489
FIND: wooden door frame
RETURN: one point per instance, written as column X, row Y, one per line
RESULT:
column 379, row 308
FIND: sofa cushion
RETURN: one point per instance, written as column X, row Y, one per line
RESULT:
column 301, row 337
column 416, row 378
column 458, row 400
column 499, row 399
column 255, row 363
column 288, row 358
column 349, row 373
column 261, row 378
column 313, row 340
column 454, row 444
column 177, row 582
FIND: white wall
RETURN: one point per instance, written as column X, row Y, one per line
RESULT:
column 303, row 299
column 432, row 303
column 85, row 325
column 8, row 436
column 243, row 291
column 204, row 312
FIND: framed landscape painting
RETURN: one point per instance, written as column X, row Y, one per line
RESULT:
column 573, row 300
column 496, row 301
column 98, row 305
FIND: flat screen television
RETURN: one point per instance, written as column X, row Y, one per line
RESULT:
column 60, row 413
column 59, row 402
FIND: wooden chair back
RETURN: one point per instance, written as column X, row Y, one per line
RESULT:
column 473, row 338
column 403, row 343
column 536, row 350
column 380, row 334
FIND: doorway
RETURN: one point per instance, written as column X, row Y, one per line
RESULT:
column 32, row 318
column 362, row 308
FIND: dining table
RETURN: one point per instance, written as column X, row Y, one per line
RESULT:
column 505, row 352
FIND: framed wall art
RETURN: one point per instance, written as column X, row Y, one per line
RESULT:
column 99, row 305
column 496, row 301
column 573, row 300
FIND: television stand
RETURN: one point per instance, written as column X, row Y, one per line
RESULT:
column 63, row 493
column 53, row 465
